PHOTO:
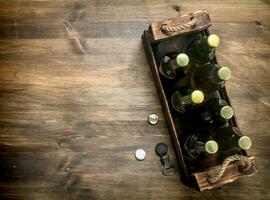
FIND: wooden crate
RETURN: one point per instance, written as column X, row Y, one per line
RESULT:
column 156, row 44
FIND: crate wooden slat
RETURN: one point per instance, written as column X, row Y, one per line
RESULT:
column 231, row 174
column 164, row 103
column 202, row 24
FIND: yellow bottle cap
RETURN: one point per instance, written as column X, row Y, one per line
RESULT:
column 224, row 73
column 213, row 40
column 197, row 96
column 244, row 142
column 182, row 59
column 211, row 147
column 226, row 112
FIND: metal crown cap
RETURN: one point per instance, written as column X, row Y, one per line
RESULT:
column 226, row 112
column 244, row 142
column 224, row 73
column 197, row 96
column 182, row 59
column 211, row 147
column 213, row 40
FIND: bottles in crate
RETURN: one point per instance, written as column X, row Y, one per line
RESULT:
column 225, row 142
column 196, row 81
column 171, row 62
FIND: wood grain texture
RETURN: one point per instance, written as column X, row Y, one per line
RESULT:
column 76, row 90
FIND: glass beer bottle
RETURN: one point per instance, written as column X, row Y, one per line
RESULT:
column 169, row 64
column 210, row 77
column 195, row 147
column 202, row 48
column 216, row 111
column 182, row 103
column 232, row 140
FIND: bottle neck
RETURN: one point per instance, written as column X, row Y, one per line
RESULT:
column 195, row 97
column 186, row 100
column 181, row 103
column 206, row 77
column 214, row 75
column 219, row 108
column 213, row 112
column 166, row 68
column 240, row 141
column 233, row 139
column 173, row 64
column 202, row 45
column 170, row 63
column 199, row 146
column 195, row 147
column 209, row 147
column 183, row 100
column 202, row 48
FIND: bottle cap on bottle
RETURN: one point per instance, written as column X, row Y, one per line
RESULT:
column 211, row 147
column 197, row 96
column 226, row 112
column 224, row 73
column 213, row 40
column 182, row 59
column 244, row 142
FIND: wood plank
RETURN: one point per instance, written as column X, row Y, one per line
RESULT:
column 231, row 31
column 102, row 11
column 231, row 174
column 101, row 175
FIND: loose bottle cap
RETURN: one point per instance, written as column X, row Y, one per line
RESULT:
column 140, row 154
column 226, row 112
column 224, row 73
column 182, row 59
column 197, row 96
column 213, row 40
column 153, row 119
column 211, row 147
column 244, row 142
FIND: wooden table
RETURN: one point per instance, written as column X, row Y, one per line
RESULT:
column 76, row 91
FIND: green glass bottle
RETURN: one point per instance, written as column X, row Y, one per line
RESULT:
column 202, row 48
column 210, row 77
column 170, row 63
column 182, row 103
column 194, row 147
column 216, row 111
column 231, row 140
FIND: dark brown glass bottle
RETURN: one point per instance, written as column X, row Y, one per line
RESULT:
column 170, row 63
column 182, row 103
column 202, row 48
column 194, row 147
column 209, row 77
column 231, row 140
column 216, row 111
